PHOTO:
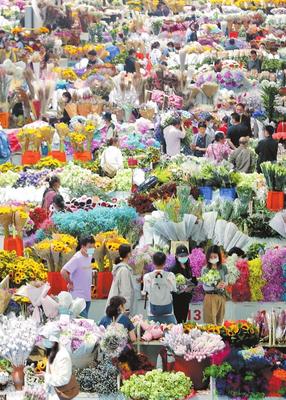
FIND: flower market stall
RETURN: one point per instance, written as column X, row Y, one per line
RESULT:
column 157, row 127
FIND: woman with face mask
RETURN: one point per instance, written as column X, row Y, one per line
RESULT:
column 58, row 375
column 77, row 272
column 182, row 300
column 122, row 284
column 215, row 295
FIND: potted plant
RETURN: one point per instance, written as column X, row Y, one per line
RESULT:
column 275, row 176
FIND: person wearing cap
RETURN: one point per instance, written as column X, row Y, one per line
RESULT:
column 242, row 158
column 182, row 300
column 267, row 148
column 201, row 141
column 59, row 366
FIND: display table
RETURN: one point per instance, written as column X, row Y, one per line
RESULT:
column 234, row 311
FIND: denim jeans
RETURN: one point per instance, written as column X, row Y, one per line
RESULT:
column 163, row 319
column 84, row 313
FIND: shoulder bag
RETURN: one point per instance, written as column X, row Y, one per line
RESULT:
column 69, row 391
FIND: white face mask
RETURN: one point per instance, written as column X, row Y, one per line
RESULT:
column 214, row 260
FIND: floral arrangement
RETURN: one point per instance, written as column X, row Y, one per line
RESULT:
column 20, row 269
column 210, row 278
column 56, row 251
column 256, row 282
column 8, row 178
column 232, row 270
column 239, row 334
column 35, row 393
column 231, row 79
column 156, row 384
column 31, row 178
column 106, row 246
column 123, row 180
column 101, row 379
column 275, row 176
column 196, row 344
column 78, row 336
column 38, row 215
column 272, row 273
column 48, row 163
column 241, row 289
column 12, row 215
column 114, row 340
column 17, row 339
column 101, row 219
column 8, row 166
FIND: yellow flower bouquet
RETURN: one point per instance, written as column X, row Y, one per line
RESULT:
column 13, row 216
column 63, row 132
column 20, row 269
column 107, row 244
column 77, row 141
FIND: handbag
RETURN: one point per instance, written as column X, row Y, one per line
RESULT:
column 69, row 391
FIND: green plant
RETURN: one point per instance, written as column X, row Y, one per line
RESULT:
column 275, row 176
column 269, row 91
column 254, row 250
column 217, row 371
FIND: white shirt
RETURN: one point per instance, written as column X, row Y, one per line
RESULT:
column 173, row 138
column 58, row 373
column 147, row 281
column 155, row 56
column 113, row 156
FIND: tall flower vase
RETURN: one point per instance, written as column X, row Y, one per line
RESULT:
column 18, row 377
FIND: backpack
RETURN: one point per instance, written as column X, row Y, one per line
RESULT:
column 160, row 296
column 4, row 146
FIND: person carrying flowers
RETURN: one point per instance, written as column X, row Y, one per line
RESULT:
column 183, row 271
column 214, row 279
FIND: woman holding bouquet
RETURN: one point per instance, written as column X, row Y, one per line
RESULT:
column 183, row 297
column 214, row 278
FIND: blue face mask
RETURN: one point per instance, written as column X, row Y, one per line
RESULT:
column 183, row 260
column 90, row 252
column 47, row 344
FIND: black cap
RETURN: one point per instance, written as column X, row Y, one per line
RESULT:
column 182, row 251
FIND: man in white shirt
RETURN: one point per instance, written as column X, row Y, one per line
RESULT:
column 158, row 287
column 173, row 135
column 112, row 157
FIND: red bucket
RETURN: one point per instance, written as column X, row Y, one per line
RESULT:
column 233, row 35
column 57, row 282
column 85, row 156
column 275, row 201
column 194, row 370
column 14, row 244
column 58, row 155
column 104, row 282
column 30, row 157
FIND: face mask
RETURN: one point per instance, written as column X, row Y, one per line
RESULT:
column 183, row 260
column 90, row 252
column 47, row 344
column 214, row 260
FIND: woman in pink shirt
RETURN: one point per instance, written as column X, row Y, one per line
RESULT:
column 51, row 192
column 219, row 150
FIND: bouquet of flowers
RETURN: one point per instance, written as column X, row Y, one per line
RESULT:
column 157, row 384
column 78, row 336
column 114, row 340
column 17, row 339
column 275, row 176
column 210, row 278
column 192, row 345
column 231, row 79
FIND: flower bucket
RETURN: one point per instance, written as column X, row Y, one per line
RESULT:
column 275, row 201
column 233, row 35
column 4, row 119
column 58, row 155
column 85, row 156
column 18, row 377
column 30, row 157
column 103, row 285
column 206, row 192
column 227, row 193
column 57, row 282
column 194, row 370
column 14, row 244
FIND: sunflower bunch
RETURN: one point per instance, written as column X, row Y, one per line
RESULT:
column 49, row 163
column 30, row 138
column 68, row 240
column 10, row 167
column 107, row 264
column 20, row 269
column 77, row 140
column 41, row 365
